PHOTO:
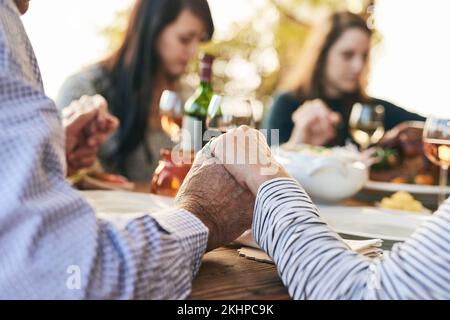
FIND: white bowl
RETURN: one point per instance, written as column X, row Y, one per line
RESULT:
column 327, row 178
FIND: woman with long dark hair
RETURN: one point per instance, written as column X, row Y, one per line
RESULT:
column 330, row 77
column 161, row 39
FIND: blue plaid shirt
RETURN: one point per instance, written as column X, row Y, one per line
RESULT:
column 51, row 243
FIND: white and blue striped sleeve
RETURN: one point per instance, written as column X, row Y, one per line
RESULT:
column 314, row 263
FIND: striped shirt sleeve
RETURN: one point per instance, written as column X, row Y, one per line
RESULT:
column 314, row 262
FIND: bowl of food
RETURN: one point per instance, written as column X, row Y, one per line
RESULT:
column 329, row 175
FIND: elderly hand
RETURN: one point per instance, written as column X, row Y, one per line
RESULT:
column 212, row 195
column 247, row 157
column 87, row 125
column 314, row 123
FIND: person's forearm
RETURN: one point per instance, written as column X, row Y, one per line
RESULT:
column 309, row 256
column 315, row 264
column 153, row 257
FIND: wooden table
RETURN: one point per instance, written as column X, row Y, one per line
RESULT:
column 225, row 275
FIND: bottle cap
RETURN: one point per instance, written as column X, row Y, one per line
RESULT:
column 208, row 58
column 206, row 68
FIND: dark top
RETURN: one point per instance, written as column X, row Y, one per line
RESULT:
column 280, row 116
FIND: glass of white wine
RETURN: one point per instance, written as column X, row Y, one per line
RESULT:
column 171, row 112
column 226, row 112
column 366, row 124
column 436, row 145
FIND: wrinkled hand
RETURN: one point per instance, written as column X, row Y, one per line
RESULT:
column 406, row 137
column 212, row 195
column 87, row 125
column 247, row 157
column 314, row 123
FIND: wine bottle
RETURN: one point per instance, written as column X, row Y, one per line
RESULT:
column 196, row 108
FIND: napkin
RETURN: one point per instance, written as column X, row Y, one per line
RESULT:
column 370, row 248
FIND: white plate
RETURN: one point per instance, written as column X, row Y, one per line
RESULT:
column 370, row 222
column 123, row 203
column 411, row 188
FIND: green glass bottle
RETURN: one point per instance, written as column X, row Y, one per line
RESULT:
column 196, row 108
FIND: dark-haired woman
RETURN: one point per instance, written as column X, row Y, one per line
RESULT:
column 162, row 38
column 330, row 78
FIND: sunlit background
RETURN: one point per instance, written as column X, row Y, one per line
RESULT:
column 410, row 66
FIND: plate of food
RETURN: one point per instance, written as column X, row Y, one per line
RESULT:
column 99, row 180
column 398, row 171
column 400, row 165
column 402, row 201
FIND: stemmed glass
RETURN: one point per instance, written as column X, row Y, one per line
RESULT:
column 169, row 174
column 226, row 112
column 436, row 143
column 171, row 112
column 366, row 124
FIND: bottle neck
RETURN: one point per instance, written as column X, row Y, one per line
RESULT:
column 205, row 73
column 205, row 85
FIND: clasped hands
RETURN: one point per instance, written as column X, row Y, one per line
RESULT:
column 87, row 125
column 221, row 187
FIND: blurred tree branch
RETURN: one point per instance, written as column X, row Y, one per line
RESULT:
column 289, row 15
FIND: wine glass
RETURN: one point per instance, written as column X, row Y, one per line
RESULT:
column 226, row 112
column 436, row 145
column 171, row 112
column 366, row 124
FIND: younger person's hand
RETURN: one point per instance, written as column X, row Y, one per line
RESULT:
column 314, row 123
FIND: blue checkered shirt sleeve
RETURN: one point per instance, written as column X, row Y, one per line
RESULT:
column 51, row 243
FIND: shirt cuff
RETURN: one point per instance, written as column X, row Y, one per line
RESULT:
column 261, row 195
column 191, row 233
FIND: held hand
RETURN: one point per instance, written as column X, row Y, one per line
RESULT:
column 247, row 157
column 87, row 125
column 314, row 123
column 212, row 195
